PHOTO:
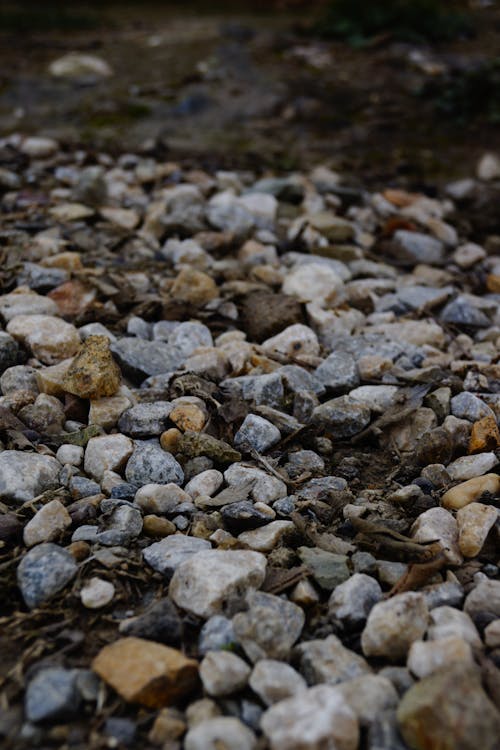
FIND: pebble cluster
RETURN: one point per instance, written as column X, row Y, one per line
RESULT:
column 249, row 458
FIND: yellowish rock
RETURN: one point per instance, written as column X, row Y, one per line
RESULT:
column 168, row 725
column 68, row 260
column 50, row 521
column 71, row 212
column 50, row 379
column 470, row 491
column 49, row 338
column 190, row 414
column 474, row 523
column 146, row 672
column 170, row 439
column 194, row 287
column 485, row 435
column 158, row 526
column 93, row 372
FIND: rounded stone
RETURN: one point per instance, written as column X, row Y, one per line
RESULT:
column 150, row 464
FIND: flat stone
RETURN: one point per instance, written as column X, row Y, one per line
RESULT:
column 224, row 731
column 474, row 524
column 468, row 467
column 466, row 405
column 329, row 661
column 141, row 359
column 314, row 719
column 204, row 583
column 166, row 556
column 273, row 681
column 378, row 398
column 351, row 601
column 47, row 524
column 205, row 483
column 50, row 339
column 223, row 673
column 93, row 372
column 470, row 491
column 338, row 372
column 449, row 709
column 342, row 417
column 415, row 247
column 328, row 569
column 23, row 475
column 97, row 593
column 269, row 628
column 150, row 464
column 145, row 672
column 160, row 498
column 393, row 625
column 145, row 420
column 53, row 695
column 426, row 657
column 256, row 433
column 267, row 537
column 23, row 303
column 107, row 453
column 43, row 572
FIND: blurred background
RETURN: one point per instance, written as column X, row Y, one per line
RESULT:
column 392, row 89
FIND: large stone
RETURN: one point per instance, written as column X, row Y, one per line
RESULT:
column 150, row 464
column 145, row 672
column 269, row 628
column 166, row 556
column 223, row 673
column 468, row 467
column 329, row 661
column 475, row 522
column 43, row 572
column 470, row 491
column 393, row 625
column 204, row 583
column 50, row 339
column 107, row 453
column 274, row 681
column 93, row 372
column 449, row 709
column 316, row 719
column 23, row 476
column 47, row 524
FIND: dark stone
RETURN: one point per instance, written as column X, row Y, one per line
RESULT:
column 159, row 622
column 140, row 359
column 264, row 314
column 243, row 516
column 52, row 694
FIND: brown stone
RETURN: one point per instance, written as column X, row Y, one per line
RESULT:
column 485, row 435
column 493, row 283
column 158, row 526
column 189, row 416
column 194, row 287
column 265, row 314
column 146, row 672
column 68, row 260
column 170, row 439
column 72, row 298
column 93, row 372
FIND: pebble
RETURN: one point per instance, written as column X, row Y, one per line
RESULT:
column 438, row 524
column 50, row 339
column 78, row 65
column 160, row 498
column 223, row 673
column 468, row 406
column 468, row 467
column 70, row 454
column 393, row 625
column 449, row 709
column 145, row 672
column 273, row 681
column 264, row 488
column 93, row 373
column 338, row 372
column 189, row 416
column 166, row 556
column 314, row 719
column 327, row 568
column 296, row 340
column 483, row 602
column 492, row 634
column 47, row 524
column 256, row 433
column 158, row 527
column 107, row 411
column 159, row 622
column 149, row 464
column 225, row 731
column 216, row 634
column 350, row 602
column 9, row 352
column 485, row 435
column 269, row 628
column 415, row 247
column 107, row 453
column 474, row 524
column 470, row 491
column 426, row 657
column 145, row 420
column 329, row 661
column 204, row 483
column 43, row 572
column 368, row 696
column 448, row 621
column 97, row 593
column 52, row 695
column 23, row 476
column 314, row 282
column 205, row 583
column 342, row 417
column 140, row 359
column 267, row 537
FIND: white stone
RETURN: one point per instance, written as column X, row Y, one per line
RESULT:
column 50, row 339
column 205, row 483
column 19, row 303
column 468, row 255
column 160, row 498
column 274, row 681
column 475, row 522
column 70, row 454
column 39, row 148
column 394, row 624
column 266, row 537
column 426, row 657
column 317, row 719
column 50, row 521
column 368, row 696
column 377, row 397
column 468, row 467
column 295, row 341
column 224, row 732
column 437, row 524
column 78, row 65
column 351, row 601
column 265, row 489
column 223, row 673
column 447, row 621
column 107, row 452
column 24, row 475
column 488, row 167
column 492, row 634
column 203, row 584
column 97, row 593
column 314, row 282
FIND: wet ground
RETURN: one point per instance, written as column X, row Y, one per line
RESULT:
column 253, row 89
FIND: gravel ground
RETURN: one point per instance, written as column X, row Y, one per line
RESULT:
column 249, row 455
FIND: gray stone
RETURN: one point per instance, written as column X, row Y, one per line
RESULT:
column 448, row 593
column 415, row 247
column 461, row 312
column 41, row 279
column 316, row 719
column 159, row 622
column 269, row 628
column 393, row 625
column 274, row 681
column 338, row 372
column 52, row 694
column 145, row 420
column 329, row 661
column 43, row 572
column 23, row 475
column 19, row 378
column 216, row 634
column 206, row 582
column 328, row 569
column 243, row 516
column 187, row 337
column 224, row 731
column 469, row 406
column 368, row 696
column 483, row 602
column 256, row 433
column 303, row 461
column 150, row 464
column 141, row 359
column 262, row 389
column 9, row 352
column 351, row 601
column 166, row 556
column 123, row 525
column 223, row 673
column 343, row 417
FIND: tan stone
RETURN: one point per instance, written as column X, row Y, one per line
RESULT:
column 70, row 212
column 146, row 672
column 194, row 287
column 125, row 218
column 169, row 440
column 68, row 260
column 50, row 379
column 493, row 283
column 485, row 435
column 470, row 491
column 73, row 298
column 158, row 526
column 107, row 411
column 49, row 338
column 93, row 372
column 107, row 453
column 189, row 416
column 168, row 725
column 474, row 523
column 51, row 520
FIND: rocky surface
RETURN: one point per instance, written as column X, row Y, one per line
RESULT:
column 249, row 458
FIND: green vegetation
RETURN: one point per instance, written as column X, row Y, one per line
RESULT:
column 359, row 20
